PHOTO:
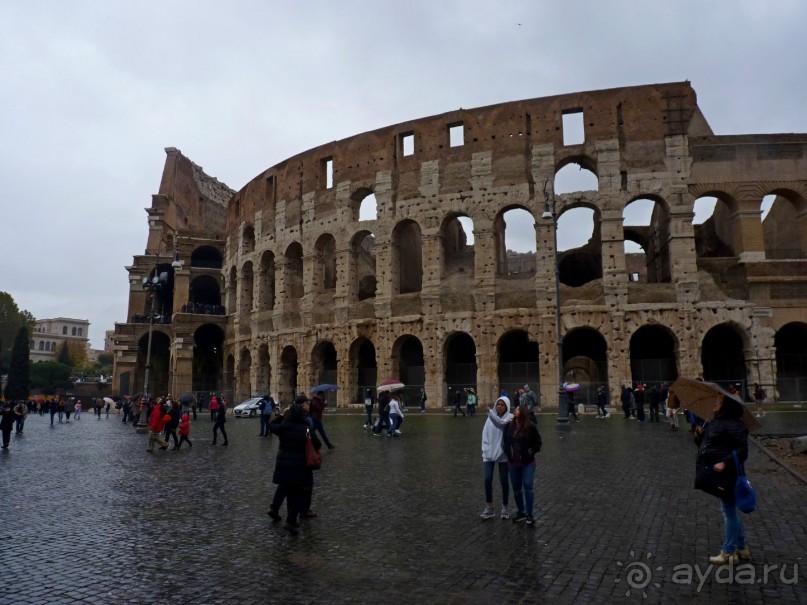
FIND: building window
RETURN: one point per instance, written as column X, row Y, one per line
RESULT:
column 47, row 346
column 326, row 166
column 408, row 143
column 456, row 135
column 81, row 331
column 64, row 330
column 573, row 127
column 74, row 331
column 41, row 345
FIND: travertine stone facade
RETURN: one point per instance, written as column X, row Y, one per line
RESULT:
column 313, row 293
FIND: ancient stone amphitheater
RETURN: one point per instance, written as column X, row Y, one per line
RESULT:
column 385, row 256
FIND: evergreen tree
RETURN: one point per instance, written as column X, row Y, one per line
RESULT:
column 18, row 383
column 64, row 354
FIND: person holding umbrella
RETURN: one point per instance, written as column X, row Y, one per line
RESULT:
column 718, row 440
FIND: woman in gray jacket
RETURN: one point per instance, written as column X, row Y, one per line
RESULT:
column 493, row 455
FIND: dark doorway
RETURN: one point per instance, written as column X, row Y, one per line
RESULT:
column 722, row 357
column 208, row 356
column 518, row 363
column 653, row 356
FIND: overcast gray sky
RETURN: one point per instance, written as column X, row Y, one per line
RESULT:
column 93, row 91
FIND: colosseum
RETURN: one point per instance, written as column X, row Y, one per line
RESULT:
column 386, row 256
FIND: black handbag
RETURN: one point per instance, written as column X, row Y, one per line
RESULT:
column 708, row 480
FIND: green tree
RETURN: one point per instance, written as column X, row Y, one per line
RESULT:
column 64, row 355
column 50, row 376
column 11, row 320
column 18, row 384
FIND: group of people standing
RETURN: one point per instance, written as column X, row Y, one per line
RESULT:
column 510, row 442
column 634, row 399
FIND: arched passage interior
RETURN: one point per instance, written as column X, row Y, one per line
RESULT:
column 791, row 362
column 722, row 357
column 208, row 355
column 287, row 374
column 460, row 363
column 518, row 363
column 364, row 368
column 653, row 356
column 585, row 361
column 159, row 360
column 409, row 365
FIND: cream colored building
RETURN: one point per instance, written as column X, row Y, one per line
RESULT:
column 50, row 334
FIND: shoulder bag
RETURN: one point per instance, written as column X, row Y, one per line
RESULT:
column 313, row 459
column 744, row 494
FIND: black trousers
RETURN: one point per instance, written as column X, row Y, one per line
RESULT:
column 219, row 426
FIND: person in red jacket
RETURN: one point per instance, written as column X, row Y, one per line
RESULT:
column 156, row 425
column 184, row 431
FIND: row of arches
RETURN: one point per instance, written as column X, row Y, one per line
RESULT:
column 726, row 356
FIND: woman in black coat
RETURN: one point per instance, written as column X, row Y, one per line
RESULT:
column 291, row 471
column 521, row 442
column 725, row 434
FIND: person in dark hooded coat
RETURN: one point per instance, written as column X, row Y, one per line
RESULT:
column 291, row 472
column 724, row 434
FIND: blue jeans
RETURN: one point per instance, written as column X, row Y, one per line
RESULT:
column 318, row 427
column 396, row 422
column 504, row 479
column 522, row 478
column 368, row 409
column 735, row 534
column 265, row 418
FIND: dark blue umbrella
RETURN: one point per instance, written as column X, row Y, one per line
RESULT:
column 186, row 398
column 324, row 388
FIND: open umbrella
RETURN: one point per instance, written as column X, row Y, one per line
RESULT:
column 571, row 386
column 324, row 388
column 699, row 398
column 109, row 400
column 390, row 385
column 186, row 398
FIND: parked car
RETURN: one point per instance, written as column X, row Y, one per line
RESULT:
column 249, row 408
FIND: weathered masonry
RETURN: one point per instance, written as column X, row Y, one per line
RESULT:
column 384, row 256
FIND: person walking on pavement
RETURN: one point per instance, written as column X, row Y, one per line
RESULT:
column 315, row 409
column 175, row 412
column 458, row 401
column 157, row 421
column 718, row 441
column 292, row 474
column 602, row 401
column 759, row 397
column 383, row 414
column 396, row 416
column 493, row 455
column 267, row 407
column 521, row 442
column 530, row 399
column 78, row 409
column 652, row 396
column 423, row 399
column 639, row 398
column 571, row 406
column 53, row 409
column 672, row 409
column 213, row 406
column 7, row 420
column 184, row 431
column 221, row 418
column 69, row 408
column 470, row 401
column 368, row 408
column 20, row 414
column 624, row 397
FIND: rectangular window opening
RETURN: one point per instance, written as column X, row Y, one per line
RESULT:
column 456, row 135
column 408, row 143
column 327, row 169
column 270, row 190
column 573, row 127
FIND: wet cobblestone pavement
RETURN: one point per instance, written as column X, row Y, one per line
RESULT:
column 90, row 517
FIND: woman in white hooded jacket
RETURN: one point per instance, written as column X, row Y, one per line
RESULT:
column 493, row 455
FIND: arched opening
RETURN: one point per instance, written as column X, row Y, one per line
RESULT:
column 263, row 371
column 783, row 223
column 244, row 385
column 287, row 375
column 247, row 284
column 409, row 366
column 293, row 271
column 324, row 367
column 459, row 355
column 205, row 296
column 576, row 175
column 206, row 257
column 457, row 241
column 407, row 263
column 653, row 355
column 268, row 280
column 585, row 361
column 248, row 239
column 646, row 233
column 514, row 238
column 364, row 267
column 363, row 368
column 713, row 230
column 208, row 356
column 325, row 262
column 579, row 246
column 367, row 206
column 518, row 362
column 159, row 360
column 791, row 362
column 722, row 357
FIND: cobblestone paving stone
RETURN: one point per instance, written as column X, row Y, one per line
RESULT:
column 90, row 517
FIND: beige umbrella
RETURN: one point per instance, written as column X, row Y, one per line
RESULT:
column 699, row 397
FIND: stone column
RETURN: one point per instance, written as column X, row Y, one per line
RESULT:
column 484, row 290
column 431, row 263
column 345, row 285
column 746, row 227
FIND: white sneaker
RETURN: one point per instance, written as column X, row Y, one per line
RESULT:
column 397, row 432
column 597, row 416
column 487, row 513
column 608, row 415
column 505, row 514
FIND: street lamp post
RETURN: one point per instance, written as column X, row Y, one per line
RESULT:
column 154, row 285
column 550, row 212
